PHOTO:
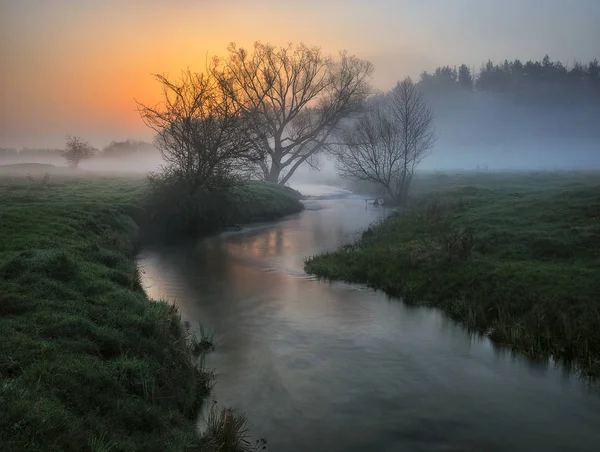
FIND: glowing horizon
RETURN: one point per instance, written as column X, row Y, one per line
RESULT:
column 77, row 67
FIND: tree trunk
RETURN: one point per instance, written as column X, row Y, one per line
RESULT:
column 275, row 170
column 391, row 194
column 274, row 173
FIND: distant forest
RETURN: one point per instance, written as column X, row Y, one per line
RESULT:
column 536, row 83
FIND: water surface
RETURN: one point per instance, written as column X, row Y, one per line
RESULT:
column 330, row 367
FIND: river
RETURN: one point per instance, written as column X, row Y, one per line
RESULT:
column 320, row 366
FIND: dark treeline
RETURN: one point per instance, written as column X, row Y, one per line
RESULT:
column 128, row 148
column 544, row 82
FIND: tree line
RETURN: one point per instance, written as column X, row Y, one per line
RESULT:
column 544, row 82
column 77, row 149
column 267, row 111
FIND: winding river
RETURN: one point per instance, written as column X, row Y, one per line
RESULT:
column 320, row 366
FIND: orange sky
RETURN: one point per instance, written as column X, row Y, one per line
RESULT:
column 75, row 66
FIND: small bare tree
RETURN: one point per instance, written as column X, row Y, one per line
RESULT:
column 200, row 132
column 76, row 150
column 297, row 98
column 386, row 145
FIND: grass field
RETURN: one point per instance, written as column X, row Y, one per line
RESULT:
column 513, row 256
column 87, row 361
column 262, row 201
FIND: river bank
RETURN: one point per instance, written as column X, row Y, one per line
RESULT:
column 87, row 360
column 513, row 256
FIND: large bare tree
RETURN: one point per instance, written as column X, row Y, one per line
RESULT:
column 201, row 132
column 388, row 142
column 296, row 97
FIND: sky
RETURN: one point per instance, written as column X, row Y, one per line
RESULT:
column 77, row 66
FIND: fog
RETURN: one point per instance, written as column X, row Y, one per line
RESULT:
column 492, row 109
column 544, row 120
column 505, row 136
column 135, row 164
column 129, row 156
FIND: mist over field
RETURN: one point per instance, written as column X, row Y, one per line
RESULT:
column 492, row 133
column 549, row 124
column 530, row 111
column 127, row 156
column 489, row 130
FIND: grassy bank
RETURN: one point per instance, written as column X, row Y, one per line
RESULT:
column 261, row 201
column 87, row 361
column 173, row 213
column 513, row 256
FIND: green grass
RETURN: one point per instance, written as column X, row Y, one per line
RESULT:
column 87, row 361
column 512, row 256
column 262, row 201
column 174, row 213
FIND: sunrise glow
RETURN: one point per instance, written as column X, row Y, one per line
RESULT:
column 77, row 67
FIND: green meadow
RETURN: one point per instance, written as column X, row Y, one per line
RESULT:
column 87, row 360
column 513, row 256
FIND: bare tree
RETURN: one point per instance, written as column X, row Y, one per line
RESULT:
column 296, row 97
column 386, row 145
column 76, row 150
column 200, row 132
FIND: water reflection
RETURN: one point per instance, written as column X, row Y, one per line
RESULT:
column 336, row 367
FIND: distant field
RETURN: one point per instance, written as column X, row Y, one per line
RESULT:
column 515, row 256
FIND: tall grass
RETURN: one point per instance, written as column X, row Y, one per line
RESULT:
column 227, row 430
